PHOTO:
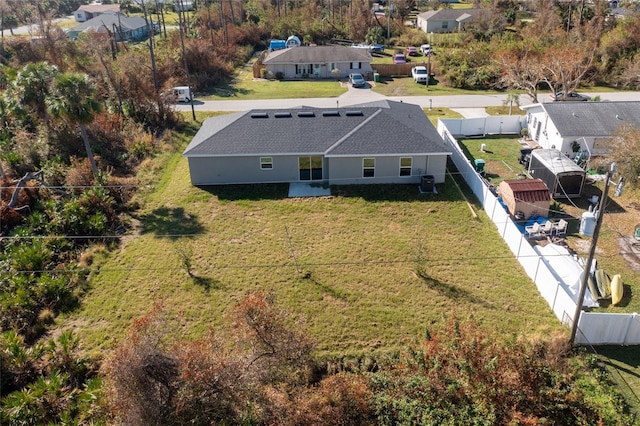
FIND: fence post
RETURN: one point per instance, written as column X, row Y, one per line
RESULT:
column 555, row 296
column 535, row 276
column 504, row 230
column 493, row 211
column 632, row 317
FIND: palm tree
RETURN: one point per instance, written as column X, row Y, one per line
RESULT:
column 512, row 98
column 32, row 86
column 73, row 99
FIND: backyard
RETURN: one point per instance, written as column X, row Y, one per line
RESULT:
column 368, row 269
column 623, row 213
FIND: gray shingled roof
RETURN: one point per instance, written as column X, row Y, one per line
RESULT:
column 317, row 54
column 100, row 8
column 592, row 118
column 379, row 128
column 451, row 14
column 109, row 20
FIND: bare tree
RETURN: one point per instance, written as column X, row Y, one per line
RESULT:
column 521, row 69
column 565, row 66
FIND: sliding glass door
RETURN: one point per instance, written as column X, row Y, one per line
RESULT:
column 310, row 168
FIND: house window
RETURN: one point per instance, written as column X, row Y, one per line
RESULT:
column 445, row 25
column 266, row 163
column 368, row 167
column 405, row 166
column 356, row 65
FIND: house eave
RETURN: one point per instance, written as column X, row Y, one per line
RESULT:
column 397, row 154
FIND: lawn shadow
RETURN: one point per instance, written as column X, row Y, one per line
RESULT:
column 227, row 90
column 207, row 283
column 325, row 288
column 382, row 192
column 262, row 191
column 453, row 292
column 622, row 354
column 166, row 222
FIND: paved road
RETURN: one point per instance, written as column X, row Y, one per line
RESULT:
column 474, row 103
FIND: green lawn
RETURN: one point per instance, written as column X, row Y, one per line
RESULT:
column 501, row 156
column 347, row 264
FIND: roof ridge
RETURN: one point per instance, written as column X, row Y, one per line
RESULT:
column 352, row 131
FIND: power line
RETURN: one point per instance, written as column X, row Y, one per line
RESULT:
column 363, row 263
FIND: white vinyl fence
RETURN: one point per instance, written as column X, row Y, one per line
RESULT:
column 593, row 328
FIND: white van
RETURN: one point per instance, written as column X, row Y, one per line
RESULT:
column 182, row 93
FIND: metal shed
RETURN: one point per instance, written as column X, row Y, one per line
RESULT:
column 564, row 178
column 528, row 196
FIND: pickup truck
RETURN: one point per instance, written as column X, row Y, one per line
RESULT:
column 420, row 74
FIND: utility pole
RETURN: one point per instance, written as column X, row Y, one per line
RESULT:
column 183, row 29
column 390, row 7
column 592, row 251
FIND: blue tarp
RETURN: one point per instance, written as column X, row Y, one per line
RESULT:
column 521, row 225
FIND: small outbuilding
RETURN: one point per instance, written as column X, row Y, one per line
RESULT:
column 525, row 198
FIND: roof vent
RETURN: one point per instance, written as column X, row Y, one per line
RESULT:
column 354, row 113
column 306, row 114
column 333, row 113
column 574, row 114
column 618, row 117
column 282, row 114
column 259, row 115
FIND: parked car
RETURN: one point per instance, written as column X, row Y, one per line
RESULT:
column 377, row 48
column 570, row 96
column 426, row 49
column 420, row 74
column 357, row 80
column 411, row 51
column 399, row 58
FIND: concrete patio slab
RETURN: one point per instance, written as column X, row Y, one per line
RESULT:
column 305, row 189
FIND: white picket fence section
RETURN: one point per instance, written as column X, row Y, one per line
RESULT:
column 593, row 328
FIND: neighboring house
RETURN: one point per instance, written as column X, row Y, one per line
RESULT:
column 448, row 20
column 378, row 142
column 318, row 61
column 579, row 126
column 125, row 28
column 88, row 11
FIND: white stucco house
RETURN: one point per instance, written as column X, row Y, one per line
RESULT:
column 124, row 28
column 448, row 20
column 318, row 61
column 88, row 11
column 579, row 126
column 372, row 143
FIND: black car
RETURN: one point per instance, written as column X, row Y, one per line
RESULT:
column 570, row 96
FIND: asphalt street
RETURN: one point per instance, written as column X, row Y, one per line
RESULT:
column 473, row 104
